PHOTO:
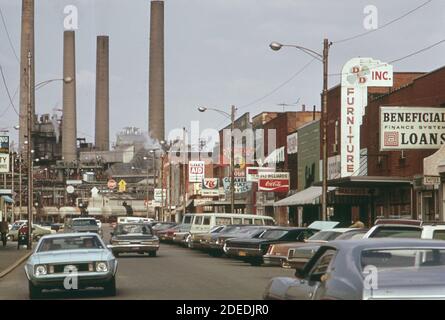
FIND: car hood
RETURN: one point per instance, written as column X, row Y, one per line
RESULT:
column 70, row 256
column 251, row 240
column 323, row 225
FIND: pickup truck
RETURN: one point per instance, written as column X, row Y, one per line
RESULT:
column 82, row 225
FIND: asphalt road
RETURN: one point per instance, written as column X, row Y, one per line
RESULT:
column 175, row 274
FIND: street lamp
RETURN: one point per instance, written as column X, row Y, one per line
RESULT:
column 231, row 116
column 324, row 59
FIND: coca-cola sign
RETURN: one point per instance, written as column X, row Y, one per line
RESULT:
column 274, row 182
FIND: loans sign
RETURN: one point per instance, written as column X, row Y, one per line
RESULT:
column 196, row 171
column 357, row 75
column 403, row 128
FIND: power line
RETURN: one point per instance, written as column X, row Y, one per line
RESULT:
column 385, row 25
column 7, row 91
column 8, row 35
column 13, row 97
column 296, row 74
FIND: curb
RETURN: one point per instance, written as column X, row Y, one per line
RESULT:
column 15, row 265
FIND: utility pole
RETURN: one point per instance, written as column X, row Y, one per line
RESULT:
column 12, row 185
column 232, row 161
column 324, row 210
column 29, row 154
column 169, row 187
column 184, row 174
column 20, row 186
column 162, row 187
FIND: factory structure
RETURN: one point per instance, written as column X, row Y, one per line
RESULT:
column 71, row 175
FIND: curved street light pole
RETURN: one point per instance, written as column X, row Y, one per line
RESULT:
column 324, row 58
column 231, row 116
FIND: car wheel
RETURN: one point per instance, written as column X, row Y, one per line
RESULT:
column 152, row 253
column 34, row 291
column 256, row 262
column 110, row 287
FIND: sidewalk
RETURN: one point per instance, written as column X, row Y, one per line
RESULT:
column 9, row 255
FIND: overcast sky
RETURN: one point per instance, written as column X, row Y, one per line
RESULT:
column 217, row 53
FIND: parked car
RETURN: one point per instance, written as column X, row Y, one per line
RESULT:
column 134, row 238
column 253, row 249
column 300, row 253
column 367, row 269
column 198, row 240
column 57, row 256
column 37, row 232
column 216, row 243
column 167, row 235
column 81, row 225
column 162, row 226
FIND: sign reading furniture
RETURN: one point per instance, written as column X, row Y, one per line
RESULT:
column 403, row 128
column 357, row 75
column 274, row 182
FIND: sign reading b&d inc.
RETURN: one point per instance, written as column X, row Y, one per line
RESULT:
column 357, row 75
column 4, row 144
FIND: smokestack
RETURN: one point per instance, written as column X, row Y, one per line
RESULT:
column 26, row 46
column 69, row 127
column 156, row 82
column 102, row 136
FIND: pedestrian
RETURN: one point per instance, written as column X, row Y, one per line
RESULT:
column 4, row 230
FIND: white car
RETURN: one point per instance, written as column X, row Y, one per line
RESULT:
column 415, row 229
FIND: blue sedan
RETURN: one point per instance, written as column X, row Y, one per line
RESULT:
column 71, row 262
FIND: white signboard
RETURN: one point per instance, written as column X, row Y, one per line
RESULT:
column 292, row 143
column 70, row 189
column 334, row 167
column 357, row 75
column 4, row 162
column 160, row 194
column 403, row 128
column 210, row 187
column 196, row 171
column 252, row 173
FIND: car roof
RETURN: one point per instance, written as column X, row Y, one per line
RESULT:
column 66, row 235
column 363, row 244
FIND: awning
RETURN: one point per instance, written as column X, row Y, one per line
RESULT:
column 310, row 195
column 71, row 211
column 370, row 182
column 7, row 199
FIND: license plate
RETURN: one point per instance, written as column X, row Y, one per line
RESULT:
column 242, row 254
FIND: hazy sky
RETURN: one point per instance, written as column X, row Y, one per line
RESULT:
column 217, row 53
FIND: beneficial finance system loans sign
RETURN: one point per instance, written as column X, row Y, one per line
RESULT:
column 357, row 75
column 403, row 128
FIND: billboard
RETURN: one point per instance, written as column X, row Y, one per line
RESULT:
column 160, row 194
column 357, row 75
column 210, row 187
column 241, row 185
column 196, row 171
column 403, row 128
column 4, row 163
column 274, row 182
column 4, row 144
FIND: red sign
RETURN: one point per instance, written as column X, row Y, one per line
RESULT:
column 112, row 184
column 274, row 182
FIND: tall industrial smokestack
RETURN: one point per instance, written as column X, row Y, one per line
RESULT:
column 69, row 127
column 102, row 95
column 26, row 46
column 156, row 119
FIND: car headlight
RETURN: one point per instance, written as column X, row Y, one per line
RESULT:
column 101, row 267
column 40, row 270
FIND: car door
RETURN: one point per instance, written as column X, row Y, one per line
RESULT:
column 308, row 286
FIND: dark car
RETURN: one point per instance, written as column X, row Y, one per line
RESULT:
column 134, row 238
column 162, row 226
column 253, row 249
column 166, row 235
column 214, row 245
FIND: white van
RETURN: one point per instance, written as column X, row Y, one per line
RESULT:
column 133, row 219
column 202, row 223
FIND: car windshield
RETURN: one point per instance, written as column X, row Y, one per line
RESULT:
column 273, row 234
column 133, row 229
column 70, row 243
column 325, row 236
column 84, row 223
column 397, row 232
